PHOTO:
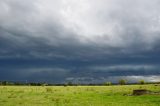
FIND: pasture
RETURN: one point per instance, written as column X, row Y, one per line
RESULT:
column 78, row 96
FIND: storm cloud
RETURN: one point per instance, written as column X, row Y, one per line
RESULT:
column 57, row 40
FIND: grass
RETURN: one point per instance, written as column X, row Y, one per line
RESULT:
column 77, row 96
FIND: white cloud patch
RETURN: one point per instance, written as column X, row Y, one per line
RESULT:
column 145, row 78
column 109, row 22
column 124, row 67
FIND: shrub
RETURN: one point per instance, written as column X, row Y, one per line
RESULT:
column 122, row 82
column 48, row 89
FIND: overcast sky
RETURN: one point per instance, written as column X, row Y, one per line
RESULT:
column 88, row 41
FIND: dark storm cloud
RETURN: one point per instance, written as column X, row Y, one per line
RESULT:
column 59, row 40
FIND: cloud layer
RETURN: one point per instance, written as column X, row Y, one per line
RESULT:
column 64, row 39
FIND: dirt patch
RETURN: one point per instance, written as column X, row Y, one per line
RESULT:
column 141, row 92
column 144, row 91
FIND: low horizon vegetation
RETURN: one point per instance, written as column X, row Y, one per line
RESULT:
column 70, row 83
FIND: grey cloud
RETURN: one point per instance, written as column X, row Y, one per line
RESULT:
column 117, row 35
column 117, row 24
column 43, row 74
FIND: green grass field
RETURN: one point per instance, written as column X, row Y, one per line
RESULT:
column 77, row 96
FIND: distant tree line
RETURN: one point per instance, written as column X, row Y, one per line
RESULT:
column 120, row 82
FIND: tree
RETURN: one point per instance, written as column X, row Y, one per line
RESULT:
column 0, row 82
column 141, row 82
column 4, row 83
column 107, row 83
column 69, row 83
column 122, row 82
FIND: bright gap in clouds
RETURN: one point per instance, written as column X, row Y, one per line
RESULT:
column 112, row 23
